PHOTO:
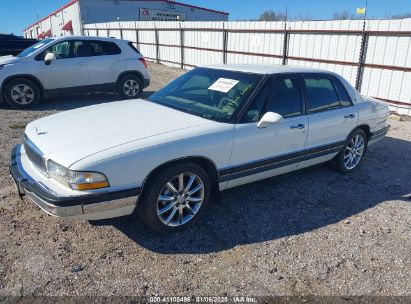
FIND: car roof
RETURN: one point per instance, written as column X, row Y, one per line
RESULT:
column 265, row 69
column 86, row 38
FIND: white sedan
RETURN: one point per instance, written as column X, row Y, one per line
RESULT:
column 211, row 129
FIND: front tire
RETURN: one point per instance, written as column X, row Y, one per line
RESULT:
column 130, row 87
column 22, row 93
column 353, row 153
column 174, row 198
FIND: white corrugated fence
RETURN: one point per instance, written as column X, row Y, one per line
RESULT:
column 376, row 61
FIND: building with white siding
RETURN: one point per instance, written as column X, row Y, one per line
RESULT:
column 69, row 19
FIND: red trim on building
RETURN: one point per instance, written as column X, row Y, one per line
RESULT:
column 47, row 34
column 68, row 26
column 53, row 13
column 166, row 1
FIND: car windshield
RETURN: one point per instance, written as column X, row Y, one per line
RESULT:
column 210, row 93
column 33, row 48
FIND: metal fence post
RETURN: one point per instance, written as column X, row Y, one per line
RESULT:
column 362, row 58
column 157, row 46
column 182, row 46
column 137, row 39
column 285, row 45
column 225, row 37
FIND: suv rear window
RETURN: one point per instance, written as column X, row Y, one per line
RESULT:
column 134, row 48
column 103, row 48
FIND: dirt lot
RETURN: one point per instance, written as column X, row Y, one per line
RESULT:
column 310, row 232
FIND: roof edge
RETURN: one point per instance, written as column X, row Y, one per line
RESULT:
column 166, row 1
column 53, row 13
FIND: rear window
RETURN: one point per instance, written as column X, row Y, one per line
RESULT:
column 321, row 95
column 134, row 48
column 103, row 48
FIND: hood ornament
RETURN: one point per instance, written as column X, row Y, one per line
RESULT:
column 41, row 132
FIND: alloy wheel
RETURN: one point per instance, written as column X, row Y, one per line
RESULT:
column 131, row 88
column 354, row 152
column 180, row 199
column 22, row 94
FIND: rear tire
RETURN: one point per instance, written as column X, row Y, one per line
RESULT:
column 353, row 153
column 130, row 87
column 174, row 198
column 22, row 93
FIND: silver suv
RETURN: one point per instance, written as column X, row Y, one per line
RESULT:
column 72, row 65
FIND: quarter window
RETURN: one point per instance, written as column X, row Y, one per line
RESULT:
column 321, row 95
column 345, row 99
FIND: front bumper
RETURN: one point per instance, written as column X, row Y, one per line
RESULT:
column 87, row 206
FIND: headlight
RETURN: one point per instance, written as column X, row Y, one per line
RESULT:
column 76, row 180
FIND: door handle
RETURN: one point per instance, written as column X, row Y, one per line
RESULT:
column 349, row 116
column 299, row 126
column 82, row 63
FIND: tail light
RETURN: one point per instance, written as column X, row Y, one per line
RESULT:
column 143, row 61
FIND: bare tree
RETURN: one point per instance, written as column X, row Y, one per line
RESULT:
column 272, row 16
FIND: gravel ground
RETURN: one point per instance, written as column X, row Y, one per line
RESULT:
column 312, row 232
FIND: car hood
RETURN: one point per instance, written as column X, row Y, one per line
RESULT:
column 70, row 136
column 8, row 59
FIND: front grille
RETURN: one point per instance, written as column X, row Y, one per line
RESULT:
column 34, row 154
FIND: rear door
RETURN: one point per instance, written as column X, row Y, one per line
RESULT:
column 69, row 70
column 104, row 62
column 331, row 114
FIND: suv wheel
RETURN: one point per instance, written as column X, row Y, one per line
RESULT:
column 352, row 154
column 130, row 87
column 174, row 198
column 22, row 93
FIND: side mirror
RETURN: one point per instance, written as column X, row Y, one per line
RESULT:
column 269, row 118
column 50, row 57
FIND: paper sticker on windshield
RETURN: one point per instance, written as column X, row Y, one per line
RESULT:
column 38, row 46
column 223, row 85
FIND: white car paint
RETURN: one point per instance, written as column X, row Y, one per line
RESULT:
column 127, row 140
column 69, row 73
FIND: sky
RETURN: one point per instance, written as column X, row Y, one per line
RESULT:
column 15, row 15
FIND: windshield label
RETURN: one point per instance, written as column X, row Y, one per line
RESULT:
column 223, row 85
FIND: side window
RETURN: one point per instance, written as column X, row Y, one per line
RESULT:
column 256, row 109
column 62, row 50
column 345, row 99
column 286, row 99
column 81, row 49
column 321, row 95
column 103, row 48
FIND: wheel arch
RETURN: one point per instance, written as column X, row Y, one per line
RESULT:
column 366, row 128
column 26, row 76
column 204, row 162
column 131, row 72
